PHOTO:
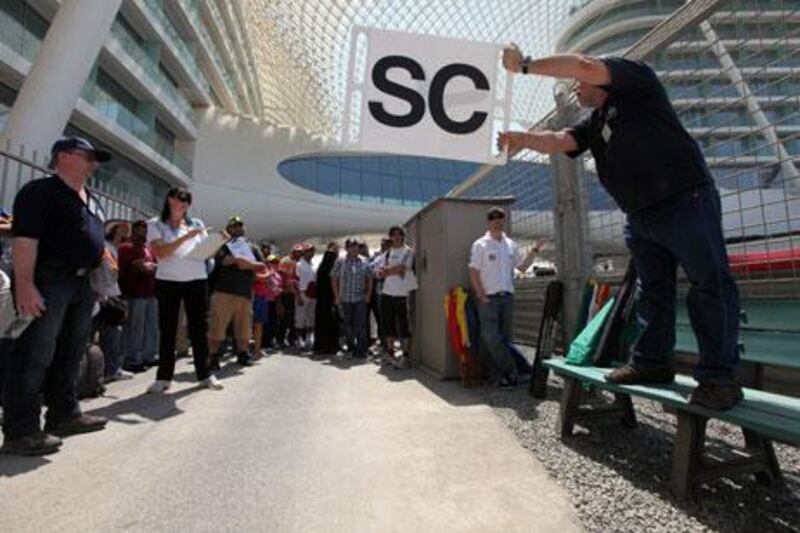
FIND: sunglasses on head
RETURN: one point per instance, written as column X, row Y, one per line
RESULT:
column 183, row 197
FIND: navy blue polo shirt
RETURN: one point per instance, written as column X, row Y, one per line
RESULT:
column 69, row 231
column 642, row 152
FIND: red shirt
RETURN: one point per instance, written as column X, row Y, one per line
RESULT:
column 269, row 287
column 132, row 282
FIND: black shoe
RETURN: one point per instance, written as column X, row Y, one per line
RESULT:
column 507, row 383
column 74, row 426
column 213, row 363
column 631, row 375
column 150, row 364
column 716, row 397
column 37, row 444
column 244, row 360
column 136, row 369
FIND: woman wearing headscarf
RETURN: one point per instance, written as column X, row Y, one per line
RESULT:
column 326, row 320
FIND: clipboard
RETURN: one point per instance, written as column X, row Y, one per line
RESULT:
column 207, row 247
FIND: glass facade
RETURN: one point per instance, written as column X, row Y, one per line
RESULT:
column 124, row 179
column 21, row 27
column 377, row 179
column 7, row 96
column 164, row 51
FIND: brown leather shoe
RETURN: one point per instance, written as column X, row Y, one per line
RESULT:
column 717, row 397
column 37, row 444
column 630, row 375
column 79, row 424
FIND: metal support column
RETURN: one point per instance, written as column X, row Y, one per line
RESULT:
column 570, row 218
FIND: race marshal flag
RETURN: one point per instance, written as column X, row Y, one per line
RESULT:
column 426, row 96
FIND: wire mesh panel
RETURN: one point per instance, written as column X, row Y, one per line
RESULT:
column 732, row 75
column 732, row 78
column 528, row 180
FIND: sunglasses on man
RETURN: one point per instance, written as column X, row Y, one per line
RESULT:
column 183, row 197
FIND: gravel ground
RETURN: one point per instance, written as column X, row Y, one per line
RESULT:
column 619, row 478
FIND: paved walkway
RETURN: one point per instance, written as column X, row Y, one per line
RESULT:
column 290, row 445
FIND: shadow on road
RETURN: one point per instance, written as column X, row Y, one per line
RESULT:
column 14, row 465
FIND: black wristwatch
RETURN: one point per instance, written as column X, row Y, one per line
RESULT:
column 526, row 62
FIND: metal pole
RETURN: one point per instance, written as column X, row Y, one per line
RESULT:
column 570, row 220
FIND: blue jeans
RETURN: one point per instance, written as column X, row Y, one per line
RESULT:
column 141, row 331
column 46, row 356
column 111, row 344
column 497, row 319
column 687, row 231
column 355, row 327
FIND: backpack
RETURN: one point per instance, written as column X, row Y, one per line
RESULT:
column 90, row 374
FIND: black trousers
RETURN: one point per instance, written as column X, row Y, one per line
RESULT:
column 268, row 338
column 286, row 330
column 394, row 313
column 194, row 295
column 375, row 308
column 46, row 358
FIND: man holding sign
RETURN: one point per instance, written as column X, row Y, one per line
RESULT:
column 232, row 296
column 656, row 173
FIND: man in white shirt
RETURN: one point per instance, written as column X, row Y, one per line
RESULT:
column 395, row 268
column 306, row 303
column 492, row 262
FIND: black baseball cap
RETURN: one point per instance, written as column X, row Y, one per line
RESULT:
column 66, row 144
column 495, row 212
column 235, row 220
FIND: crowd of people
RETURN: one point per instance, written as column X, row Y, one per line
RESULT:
column 75, row 274
column 147, row 291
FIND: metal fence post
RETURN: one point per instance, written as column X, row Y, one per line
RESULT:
column 570, row 221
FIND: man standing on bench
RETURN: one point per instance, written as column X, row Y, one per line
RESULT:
column 658, row 176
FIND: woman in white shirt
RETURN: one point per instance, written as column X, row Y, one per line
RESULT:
column 180, row 278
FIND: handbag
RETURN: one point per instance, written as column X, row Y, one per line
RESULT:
column 113, row 312
column 311, row 289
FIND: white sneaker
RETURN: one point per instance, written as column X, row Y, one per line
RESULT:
column 401, row 363
column 159, row 386
column 211, row 383
column 121, row 375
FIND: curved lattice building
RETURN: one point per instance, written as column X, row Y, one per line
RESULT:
column 733, row 78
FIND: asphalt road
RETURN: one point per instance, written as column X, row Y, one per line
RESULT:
column 291, row 444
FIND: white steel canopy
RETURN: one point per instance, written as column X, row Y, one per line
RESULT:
column 302, row 48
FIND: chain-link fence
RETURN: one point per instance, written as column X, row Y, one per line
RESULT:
column 731, row 69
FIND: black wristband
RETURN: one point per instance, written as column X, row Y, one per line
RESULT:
column 526, row 62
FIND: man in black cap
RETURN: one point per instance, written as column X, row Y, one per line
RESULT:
column 58, row 239
column 655, row 171
column 232, row 293
column 493, row 259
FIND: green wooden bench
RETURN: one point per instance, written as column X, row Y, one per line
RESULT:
column 771, row 336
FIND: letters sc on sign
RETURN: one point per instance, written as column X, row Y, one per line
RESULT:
column 425, row 96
